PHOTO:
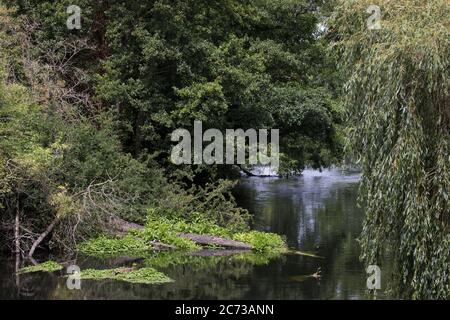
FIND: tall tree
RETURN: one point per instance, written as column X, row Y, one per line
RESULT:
column 398, row 95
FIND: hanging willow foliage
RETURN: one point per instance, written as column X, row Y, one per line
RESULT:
column 398, row 94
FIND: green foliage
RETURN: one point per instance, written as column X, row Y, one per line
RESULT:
column 48, row 266
column 162, row 231
column 397, row 100
column 86, row 115
column 104, row 246
column 142, row 275
column 56, row 161
column 163, row 64
column 159, row 229
column 262, row 241
column 306, row 118
column 197, row 223
column 210, row 204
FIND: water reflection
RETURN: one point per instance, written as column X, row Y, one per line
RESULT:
column 317, row 212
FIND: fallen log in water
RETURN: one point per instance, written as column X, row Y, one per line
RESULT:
column 207, row 240
column 121, row 227
column 156, row 245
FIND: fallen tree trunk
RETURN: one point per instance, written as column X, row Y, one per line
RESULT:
column 251, row 174
column 120, row 227
column 162, row 246
column 17, row 233
column 42, row 237
column 215, row 241
column 17, row 245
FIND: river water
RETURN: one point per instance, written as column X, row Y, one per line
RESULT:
column 316, row 212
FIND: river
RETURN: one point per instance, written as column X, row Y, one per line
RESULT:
column 316, row 212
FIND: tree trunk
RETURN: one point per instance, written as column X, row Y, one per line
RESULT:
column 17, row 245
column 42, row 236
column 121, row 227
column 17, row 230
column 215, row 241
column 251, row 174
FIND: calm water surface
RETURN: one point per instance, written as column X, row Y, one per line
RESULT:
column 316, row 212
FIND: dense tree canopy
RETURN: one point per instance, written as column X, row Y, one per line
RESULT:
column 86, row 115
column 160, row 65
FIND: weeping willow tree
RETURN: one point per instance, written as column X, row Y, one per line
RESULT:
column 398, row 94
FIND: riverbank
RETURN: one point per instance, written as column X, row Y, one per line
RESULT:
column 316, row 213
column 133, row 242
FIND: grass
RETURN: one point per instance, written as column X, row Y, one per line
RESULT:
column 48, row 266
column 143, row 275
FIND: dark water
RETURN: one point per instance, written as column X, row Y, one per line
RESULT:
column 316, row 212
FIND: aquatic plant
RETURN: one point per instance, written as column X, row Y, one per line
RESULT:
column 48, row 266
column 163, row 230
column 200, row 225
column 106, row 246
column 262, row 241
column 143, row 275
